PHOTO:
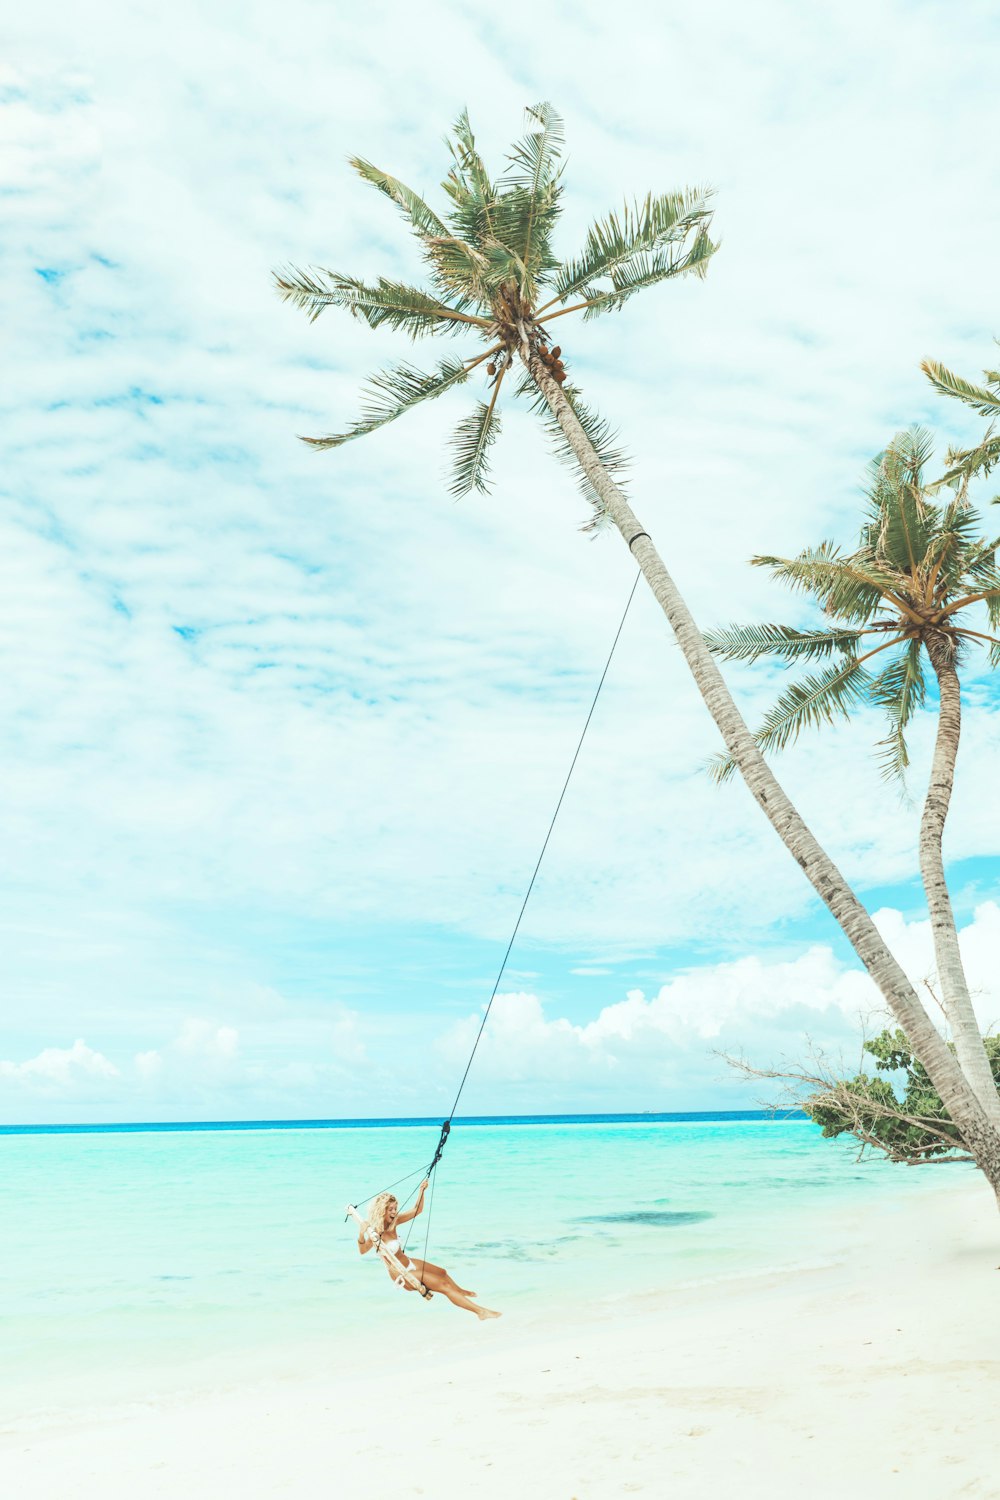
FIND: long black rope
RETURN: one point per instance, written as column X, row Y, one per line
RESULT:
column 446, row 1126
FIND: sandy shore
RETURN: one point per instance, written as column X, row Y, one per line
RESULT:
column 875, row 1374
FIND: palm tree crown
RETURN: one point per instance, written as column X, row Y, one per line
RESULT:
column 965, row 463
column 905, row 589
column 492, row 271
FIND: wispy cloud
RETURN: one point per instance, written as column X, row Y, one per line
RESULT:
column 242, row 679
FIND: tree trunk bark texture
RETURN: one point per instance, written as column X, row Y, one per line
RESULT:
column 958, row 1006
column 956, row 1093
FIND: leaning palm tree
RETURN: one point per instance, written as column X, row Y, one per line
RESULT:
column 492, row 273
column 966, row 463
column 901, row 598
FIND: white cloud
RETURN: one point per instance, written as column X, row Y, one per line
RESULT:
column 61, row 1071
column 767, row 1009
column 657, row 1051
column 204, row 1039
column 242, row 678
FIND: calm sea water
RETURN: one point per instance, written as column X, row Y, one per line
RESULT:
column 138, row 1261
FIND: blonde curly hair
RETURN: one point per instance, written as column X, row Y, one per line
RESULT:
column 377, row 1208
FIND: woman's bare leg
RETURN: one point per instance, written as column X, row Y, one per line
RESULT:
column 464, row 1290
column 436, row 1279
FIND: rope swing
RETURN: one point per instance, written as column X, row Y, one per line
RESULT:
column 429, row 1173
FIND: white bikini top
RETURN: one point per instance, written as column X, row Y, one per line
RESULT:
column 384, row 1244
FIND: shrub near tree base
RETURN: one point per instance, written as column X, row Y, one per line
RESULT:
column 901, row 1115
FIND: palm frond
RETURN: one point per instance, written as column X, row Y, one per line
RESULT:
column 423, row 218
column 408, row 308
column 721, row 767
column 969, row 463
column 459, row 268
column 393, row 392
column 901, row 521
column 815, row 700
column 666, row 218
column 469, row 186
column 981, row 398
column 503, row 266
column 468, row 160
column 602, row 436
column 534, row 170
column 899, row 690
column 473, row 438
column 954, row 552
column 844, row 586
column 647, row 270
column 912, row 448
column 749, row 642
column 534, row 160
column 983, row 575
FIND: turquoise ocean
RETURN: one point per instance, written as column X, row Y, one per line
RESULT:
column 137, row 1261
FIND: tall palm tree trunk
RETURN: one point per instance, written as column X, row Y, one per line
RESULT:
column 982, row 1140
column 966, row 1035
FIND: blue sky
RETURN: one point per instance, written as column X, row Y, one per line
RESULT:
column 283, row 731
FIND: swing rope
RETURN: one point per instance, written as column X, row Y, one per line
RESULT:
column 446, row 1125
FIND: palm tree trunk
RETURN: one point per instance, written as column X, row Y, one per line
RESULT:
column 958, row 1007
column 982, row 1140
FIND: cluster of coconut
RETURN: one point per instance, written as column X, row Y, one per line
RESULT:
column 550, row 359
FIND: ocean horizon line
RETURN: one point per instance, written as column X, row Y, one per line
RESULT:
column 638, row 1117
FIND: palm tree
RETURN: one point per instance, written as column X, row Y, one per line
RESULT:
column 493, row 273
column 965, row 463
column 903, row 594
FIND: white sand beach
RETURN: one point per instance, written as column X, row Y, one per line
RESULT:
column 873, row 1373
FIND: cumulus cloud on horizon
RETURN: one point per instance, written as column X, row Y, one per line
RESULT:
column 662, row 1051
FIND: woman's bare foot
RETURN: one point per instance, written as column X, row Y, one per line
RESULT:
column 482, row 1313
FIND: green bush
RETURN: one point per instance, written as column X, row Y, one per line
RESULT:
column 901, row 1114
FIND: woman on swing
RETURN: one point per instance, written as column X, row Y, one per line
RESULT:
column 381, row 1230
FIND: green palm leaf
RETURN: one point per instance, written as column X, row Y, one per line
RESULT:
column 900, row 690
column 473, row 438
column 603, row 438
column 408, row 308
column 749, row 642
column 980, row 398
column 647, row 270
column 474, row 196
column 966, row 463
column 459, row 268
column 534, row 169
column 469, row 172
column 844, row 586
column 815, row 700
column 393, row 392
column 615, row 240
column 534, row 159
column 984, row 576
column 902, row 523
column 503, row 266
column 954, row 552
column 423, row 218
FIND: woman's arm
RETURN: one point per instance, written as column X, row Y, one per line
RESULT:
column 364, row 1243
column 418, row 1207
